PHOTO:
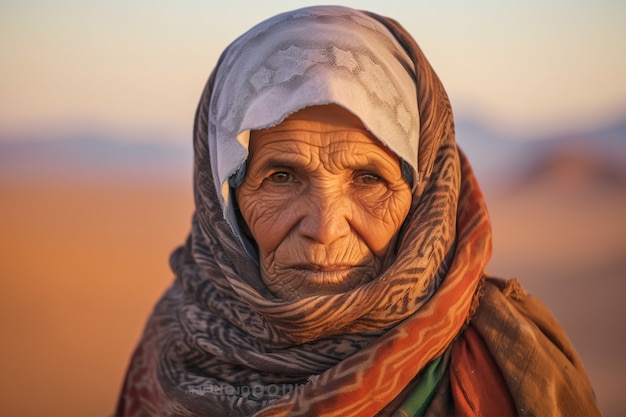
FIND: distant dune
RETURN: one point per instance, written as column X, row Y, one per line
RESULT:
column 88, row 225
column 572, row 166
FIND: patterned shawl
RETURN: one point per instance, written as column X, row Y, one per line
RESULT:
column 218, row 343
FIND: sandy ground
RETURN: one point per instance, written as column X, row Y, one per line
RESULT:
column 83, row 266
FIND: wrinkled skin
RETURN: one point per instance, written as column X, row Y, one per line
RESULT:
column 324, row 201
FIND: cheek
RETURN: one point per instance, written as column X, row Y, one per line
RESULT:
column 269, row 217
column 379, row 221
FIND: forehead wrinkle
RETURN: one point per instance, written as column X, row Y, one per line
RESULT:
column 365, row 153
column 334, row 147
column 270, row 156
column 322, row 129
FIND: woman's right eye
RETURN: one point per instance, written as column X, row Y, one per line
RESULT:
column 280, row 177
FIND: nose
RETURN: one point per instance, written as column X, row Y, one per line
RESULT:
column 325, row 217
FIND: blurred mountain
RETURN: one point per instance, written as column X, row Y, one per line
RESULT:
column 598, row 152
column 573, row 167
column 497, row 159
column 89, row 156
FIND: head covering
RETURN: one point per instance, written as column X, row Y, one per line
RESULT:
column 310, row 57
column 218, row 342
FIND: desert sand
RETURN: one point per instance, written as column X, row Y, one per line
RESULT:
column 84, row 262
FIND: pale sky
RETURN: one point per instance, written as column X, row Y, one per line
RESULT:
column 137, row 67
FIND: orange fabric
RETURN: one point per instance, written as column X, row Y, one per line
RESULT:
column 478, row 388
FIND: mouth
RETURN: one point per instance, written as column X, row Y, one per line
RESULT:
column 323, row 268
column 304, row 279
column 331, row 275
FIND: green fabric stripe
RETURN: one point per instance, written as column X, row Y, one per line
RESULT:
column 416, row 403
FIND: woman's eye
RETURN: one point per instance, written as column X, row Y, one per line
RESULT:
column 280, row 177
column 369, row 178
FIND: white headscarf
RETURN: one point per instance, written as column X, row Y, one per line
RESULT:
column 292, row 61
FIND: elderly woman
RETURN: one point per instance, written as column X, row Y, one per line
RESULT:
column 335, row 262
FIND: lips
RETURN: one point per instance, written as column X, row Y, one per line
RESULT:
column 330, row 275
column 303, row 279
column 323, row 268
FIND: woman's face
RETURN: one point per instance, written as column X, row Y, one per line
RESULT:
column 323, row 200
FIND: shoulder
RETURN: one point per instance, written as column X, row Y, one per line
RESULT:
column 533, row 352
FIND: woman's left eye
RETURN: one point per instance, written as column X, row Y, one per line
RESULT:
column 369, row 178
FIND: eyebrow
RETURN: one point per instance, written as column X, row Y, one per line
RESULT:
column 280, row 161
